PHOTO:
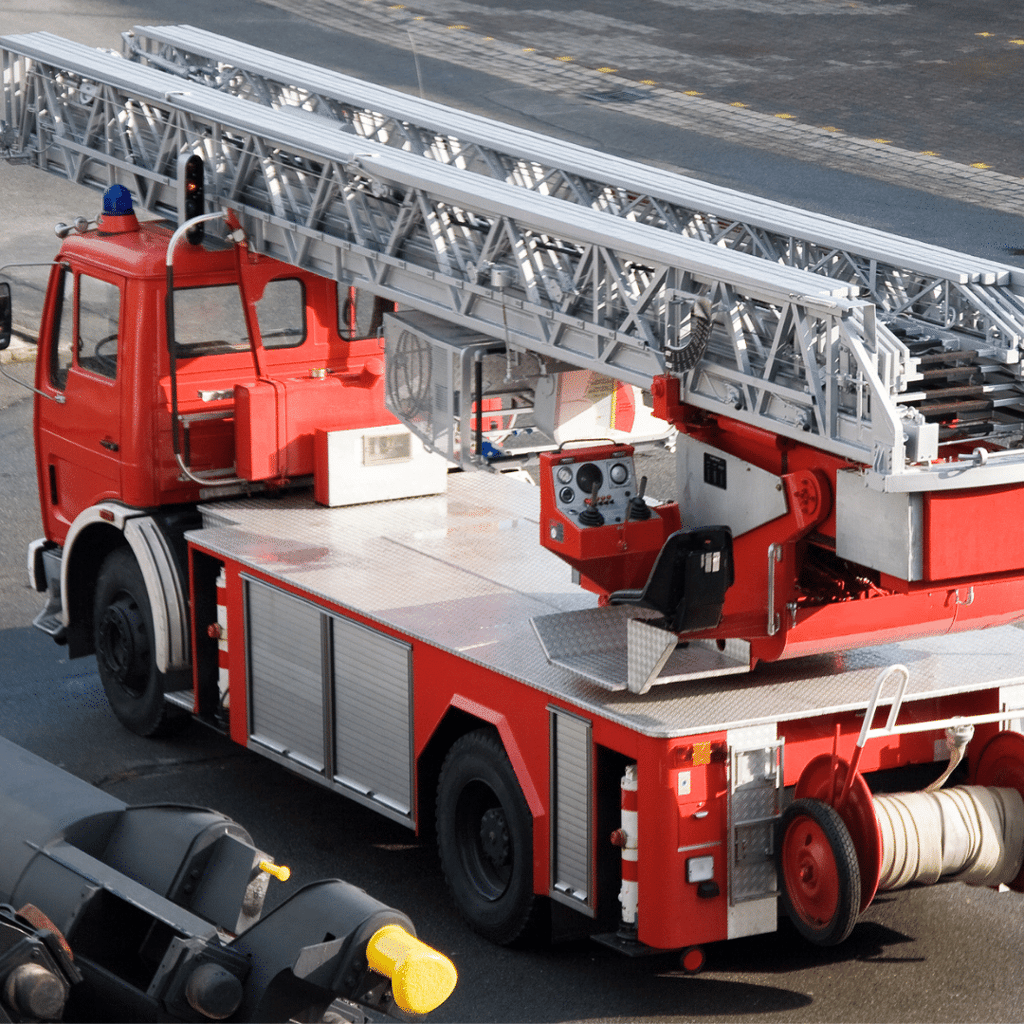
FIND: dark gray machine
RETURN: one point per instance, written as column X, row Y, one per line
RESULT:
column 119, row 913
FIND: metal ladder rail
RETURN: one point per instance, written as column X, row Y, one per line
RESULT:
column 268, row 77
column 902, row 276
column 594, row 291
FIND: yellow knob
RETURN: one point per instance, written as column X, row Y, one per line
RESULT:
column 421, row 978
column 279, row 871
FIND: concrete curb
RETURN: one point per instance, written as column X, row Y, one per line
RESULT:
column 18, row 352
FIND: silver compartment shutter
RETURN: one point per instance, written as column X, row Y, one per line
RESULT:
column 285, row 674
column 372, row 713
column 571, row 824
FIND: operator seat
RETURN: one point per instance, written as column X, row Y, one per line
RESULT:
column 689, row 579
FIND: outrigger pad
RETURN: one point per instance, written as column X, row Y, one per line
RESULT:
column 687, row 585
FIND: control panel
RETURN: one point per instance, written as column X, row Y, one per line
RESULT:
column 593, row 515
column 596, row 486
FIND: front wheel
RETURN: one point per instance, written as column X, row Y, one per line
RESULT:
column 125, row 650
column 485, row 840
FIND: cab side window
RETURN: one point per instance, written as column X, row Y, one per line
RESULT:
column 208, row 321
column 88, row 339
column 62, row 347
column 281, row 312
column 99, row 313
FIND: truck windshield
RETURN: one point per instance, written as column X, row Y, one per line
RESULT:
column 209, row 320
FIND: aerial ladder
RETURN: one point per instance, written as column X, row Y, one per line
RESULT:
column 925, row 283
column 953, row 317
column 953, row 310
column 849, row 427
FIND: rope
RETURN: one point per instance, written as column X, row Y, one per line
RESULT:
column 972, row 834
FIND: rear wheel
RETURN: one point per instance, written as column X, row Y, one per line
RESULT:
column 485, row 840
column 818, row 872
column 125, row 650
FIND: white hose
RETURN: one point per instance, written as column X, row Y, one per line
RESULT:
column 972, row 834
column 957, row 738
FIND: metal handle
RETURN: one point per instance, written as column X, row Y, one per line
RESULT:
column 774, row 619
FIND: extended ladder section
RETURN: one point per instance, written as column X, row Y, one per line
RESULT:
column 898, row 274
column 796, row 353
column 962, row 317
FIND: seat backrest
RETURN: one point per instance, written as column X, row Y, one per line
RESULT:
column 689, row 579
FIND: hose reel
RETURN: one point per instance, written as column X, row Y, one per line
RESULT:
column 838, row 844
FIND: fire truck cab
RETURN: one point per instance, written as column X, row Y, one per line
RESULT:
column 160, row 382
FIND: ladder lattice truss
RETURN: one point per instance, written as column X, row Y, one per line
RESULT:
column 900, row 275
column 797, row 353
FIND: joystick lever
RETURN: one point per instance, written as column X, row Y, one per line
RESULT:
column 591, row 515
column 638, row 508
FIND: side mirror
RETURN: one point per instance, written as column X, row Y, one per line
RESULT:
column 5, row 315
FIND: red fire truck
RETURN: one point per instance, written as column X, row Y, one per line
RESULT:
column 262, row 512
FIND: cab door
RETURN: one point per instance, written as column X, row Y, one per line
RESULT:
column 78, row 414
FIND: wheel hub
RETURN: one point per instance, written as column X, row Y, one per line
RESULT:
column 121, row 643
column 494, row 838
column 810, row 865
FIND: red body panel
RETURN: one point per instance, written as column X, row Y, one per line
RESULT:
column 671, row 829
column 967, row 533
column 275, row 420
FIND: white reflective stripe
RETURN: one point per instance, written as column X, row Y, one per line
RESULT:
column 629, row 827
column 628, row 898
column 165, row 590
column 222, row 639
column 629, row 892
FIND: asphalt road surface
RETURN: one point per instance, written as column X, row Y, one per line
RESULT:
column 926, row 76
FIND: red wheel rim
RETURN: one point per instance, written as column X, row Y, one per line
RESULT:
column 692, row 959
column 812, row 879
column 858, row 813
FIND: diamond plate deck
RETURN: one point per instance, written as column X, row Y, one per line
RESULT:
column 615, row 648
column 464, row 571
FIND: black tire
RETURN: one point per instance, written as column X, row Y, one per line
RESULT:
column 485, row 841
column 125, row 652
column 818, row 872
